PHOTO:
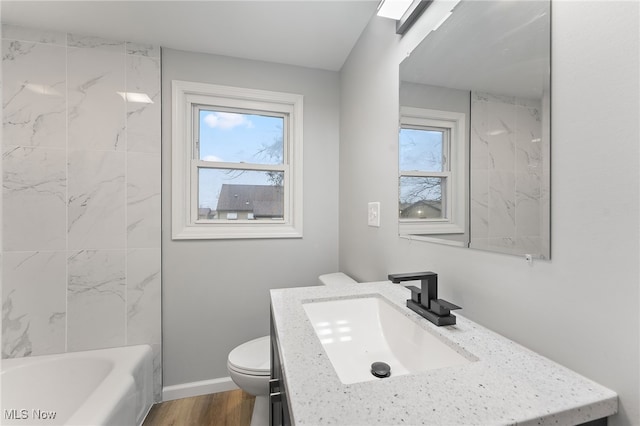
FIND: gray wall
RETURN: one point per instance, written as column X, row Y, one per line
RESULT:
column 580, row 309
column 216, row 293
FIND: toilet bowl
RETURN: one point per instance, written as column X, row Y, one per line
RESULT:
column 249, row 364
column 249, row 367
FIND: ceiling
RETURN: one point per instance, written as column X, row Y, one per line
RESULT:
column 499, row 47
column 309, row 33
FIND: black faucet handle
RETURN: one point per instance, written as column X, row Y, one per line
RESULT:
column 442, row 307
column 416, row 293
column 410, row 276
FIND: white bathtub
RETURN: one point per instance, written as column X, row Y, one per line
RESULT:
column 101, row 387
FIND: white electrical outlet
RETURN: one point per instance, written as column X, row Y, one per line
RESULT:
column 374, row 214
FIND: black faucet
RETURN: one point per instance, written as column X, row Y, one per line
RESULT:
column 424, row 301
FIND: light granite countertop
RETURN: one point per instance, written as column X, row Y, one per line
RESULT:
column 508, row 384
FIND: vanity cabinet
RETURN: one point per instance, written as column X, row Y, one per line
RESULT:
column 278, row 404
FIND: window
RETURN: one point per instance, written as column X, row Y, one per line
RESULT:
column 431, row 172
column 236, row 163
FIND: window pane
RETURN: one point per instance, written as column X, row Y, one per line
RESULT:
column 227, row 194
column 421, row 150
column 421, row 197
column 240, row 138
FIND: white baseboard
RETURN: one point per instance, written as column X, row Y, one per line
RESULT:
column 204, row 387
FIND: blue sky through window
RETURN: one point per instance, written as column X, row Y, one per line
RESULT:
column 421, row 150
column 236, row 138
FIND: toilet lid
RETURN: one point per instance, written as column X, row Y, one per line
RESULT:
column 252, row 357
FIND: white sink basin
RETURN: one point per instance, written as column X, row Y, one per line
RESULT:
column 357, row 332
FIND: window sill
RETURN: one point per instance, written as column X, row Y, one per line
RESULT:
column 433, row 240
column 233, row 232
column 418, row 228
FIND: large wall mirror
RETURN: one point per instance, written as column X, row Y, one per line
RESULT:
column 474, row 145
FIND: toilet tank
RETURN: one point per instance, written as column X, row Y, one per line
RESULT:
column 336, row 278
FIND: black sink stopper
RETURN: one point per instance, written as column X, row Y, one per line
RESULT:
column 380, row 369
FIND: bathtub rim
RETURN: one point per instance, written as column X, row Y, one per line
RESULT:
column 126, row 360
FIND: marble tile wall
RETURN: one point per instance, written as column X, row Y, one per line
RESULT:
column 81, row 194
column 507, row 174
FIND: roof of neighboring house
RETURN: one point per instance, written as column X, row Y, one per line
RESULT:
column 408, row 210
column 262, row 200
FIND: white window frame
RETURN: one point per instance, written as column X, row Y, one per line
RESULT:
column 184, row 202
column 454, row 199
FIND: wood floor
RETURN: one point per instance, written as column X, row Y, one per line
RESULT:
column 231, row 408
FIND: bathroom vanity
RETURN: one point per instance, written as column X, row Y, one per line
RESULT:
column 499, row 382
column 278, row 403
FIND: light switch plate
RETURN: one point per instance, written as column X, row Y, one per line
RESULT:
column 374, row 214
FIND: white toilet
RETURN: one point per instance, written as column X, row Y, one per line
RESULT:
column 249, row 367
column 249, row 364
